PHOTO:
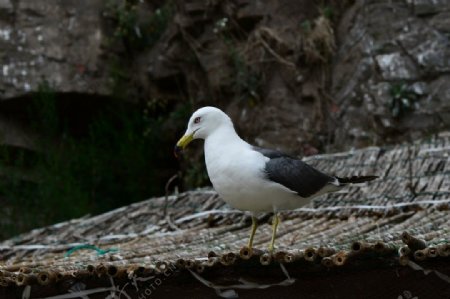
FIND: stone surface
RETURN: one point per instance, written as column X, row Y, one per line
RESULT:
column 390, row 53
column 396, row 66
column 251, row 59
column 52, row 40
column 426, row 7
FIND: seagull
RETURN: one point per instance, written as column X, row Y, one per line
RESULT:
column 255, row 179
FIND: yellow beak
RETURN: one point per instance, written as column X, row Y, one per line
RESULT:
column 182, row 143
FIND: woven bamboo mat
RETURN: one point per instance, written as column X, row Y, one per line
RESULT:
column 400, row 217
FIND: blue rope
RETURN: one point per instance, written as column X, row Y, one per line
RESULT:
column 92, row 247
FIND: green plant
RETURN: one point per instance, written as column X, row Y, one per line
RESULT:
column 246, row 82
column 119, row 75
column 113, row 163
column 327, row 11
column 402, row 100
column 135, row 35
column 318, row 43
column 306, row 26
column 124, row 16
column 138, row 34
column 158, row 23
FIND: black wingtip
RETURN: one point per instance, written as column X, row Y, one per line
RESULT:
column 357, row 179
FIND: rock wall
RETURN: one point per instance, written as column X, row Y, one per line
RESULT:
column 57, row 41
column 292, row 74
column 391, row 71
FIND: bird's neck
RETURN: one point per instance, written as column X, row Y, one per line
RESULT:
column 222, row 148
column 223, row 138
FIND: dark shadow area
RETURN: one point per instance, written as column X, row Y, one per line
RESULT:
column 86, row 155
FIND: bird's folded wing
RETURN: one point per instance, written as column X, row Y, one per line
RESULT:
column 297, row 175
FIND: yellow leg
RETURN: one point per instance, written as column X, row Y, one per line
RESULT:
column 275, row 222
column 252, row 233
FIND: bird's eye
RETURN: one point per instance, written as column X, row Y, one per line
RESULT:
column 197, row 120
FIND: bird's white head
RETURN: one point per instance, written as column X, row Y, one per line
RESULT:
column 203, row 122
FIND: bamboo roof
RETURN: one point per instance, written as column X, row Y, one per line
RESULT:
column 400, row 218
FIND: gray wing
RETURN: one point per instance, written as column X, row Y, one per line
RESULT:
column 297, row 175
column 294, row 173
